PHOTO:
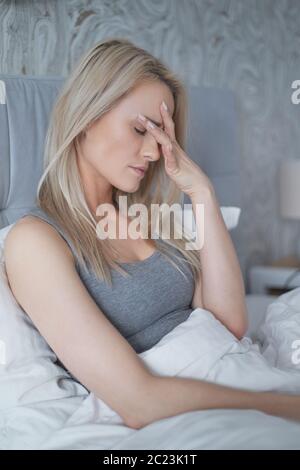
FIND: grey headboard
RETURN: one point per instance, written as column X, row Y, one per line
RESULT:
column 25, row 104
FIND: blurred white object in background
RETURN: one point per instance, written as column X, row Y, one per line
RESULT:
column 289, row 189
column 230, row 215
column 289, row 185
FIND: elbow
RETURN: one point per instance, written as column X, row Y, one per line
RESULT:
column 242, row 325
column 142, row 411
column 240, row 333
column 239, row 323
column 240, row 329
column 134, row 423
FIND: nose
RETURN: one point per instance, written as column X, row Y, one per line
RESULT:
column 151, row 148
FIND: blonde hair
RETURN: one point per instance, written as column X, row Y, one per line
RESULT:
column 109, row 71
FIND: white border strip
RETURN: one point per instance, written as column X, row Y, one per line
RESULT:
column 2, row 92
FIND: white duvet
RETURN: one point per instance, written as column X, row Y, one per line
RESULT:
column 43, row 408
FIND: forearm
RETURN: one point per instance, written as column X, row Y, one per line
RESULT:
column 223, row 289
column 170, row 396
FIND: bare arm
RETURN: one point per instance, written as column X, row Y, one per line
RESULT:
column 220, row 288
column 169, row 396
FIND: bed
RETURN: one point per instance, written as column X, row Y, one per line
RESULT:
column 70, row 421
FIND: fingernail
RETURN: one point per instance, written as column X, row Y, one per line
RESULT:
column 165, row 106
column 140, row 116
column 150, row 124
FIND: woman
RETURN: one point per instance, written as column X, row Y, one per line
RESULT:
column 94, row 316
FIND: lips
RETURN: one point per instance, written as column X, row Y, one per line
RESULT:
column 138, row 170
column 143, row 168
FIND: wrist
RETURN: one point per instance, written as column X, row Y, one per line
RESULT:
column 204, row 194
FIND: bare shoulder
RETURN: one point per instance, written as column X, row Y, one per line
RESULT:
column 31, row 231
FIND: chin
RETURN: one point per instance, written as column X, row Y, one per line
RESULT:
column 129, row 189
column 132, row 190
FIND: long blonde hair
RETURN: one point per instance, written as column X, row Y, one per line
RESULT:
column 109, row 71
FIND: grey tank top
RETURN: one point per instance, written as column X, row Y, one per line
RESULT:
column 144, row 306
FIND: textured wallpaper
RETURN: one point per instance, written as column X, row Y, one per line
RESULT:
column 251, row 47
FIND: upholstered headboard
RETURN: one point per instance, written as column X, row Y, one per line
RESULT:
column 25, row 104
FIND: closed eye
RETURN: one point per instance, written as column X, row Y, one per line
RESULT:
column 140, row 132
